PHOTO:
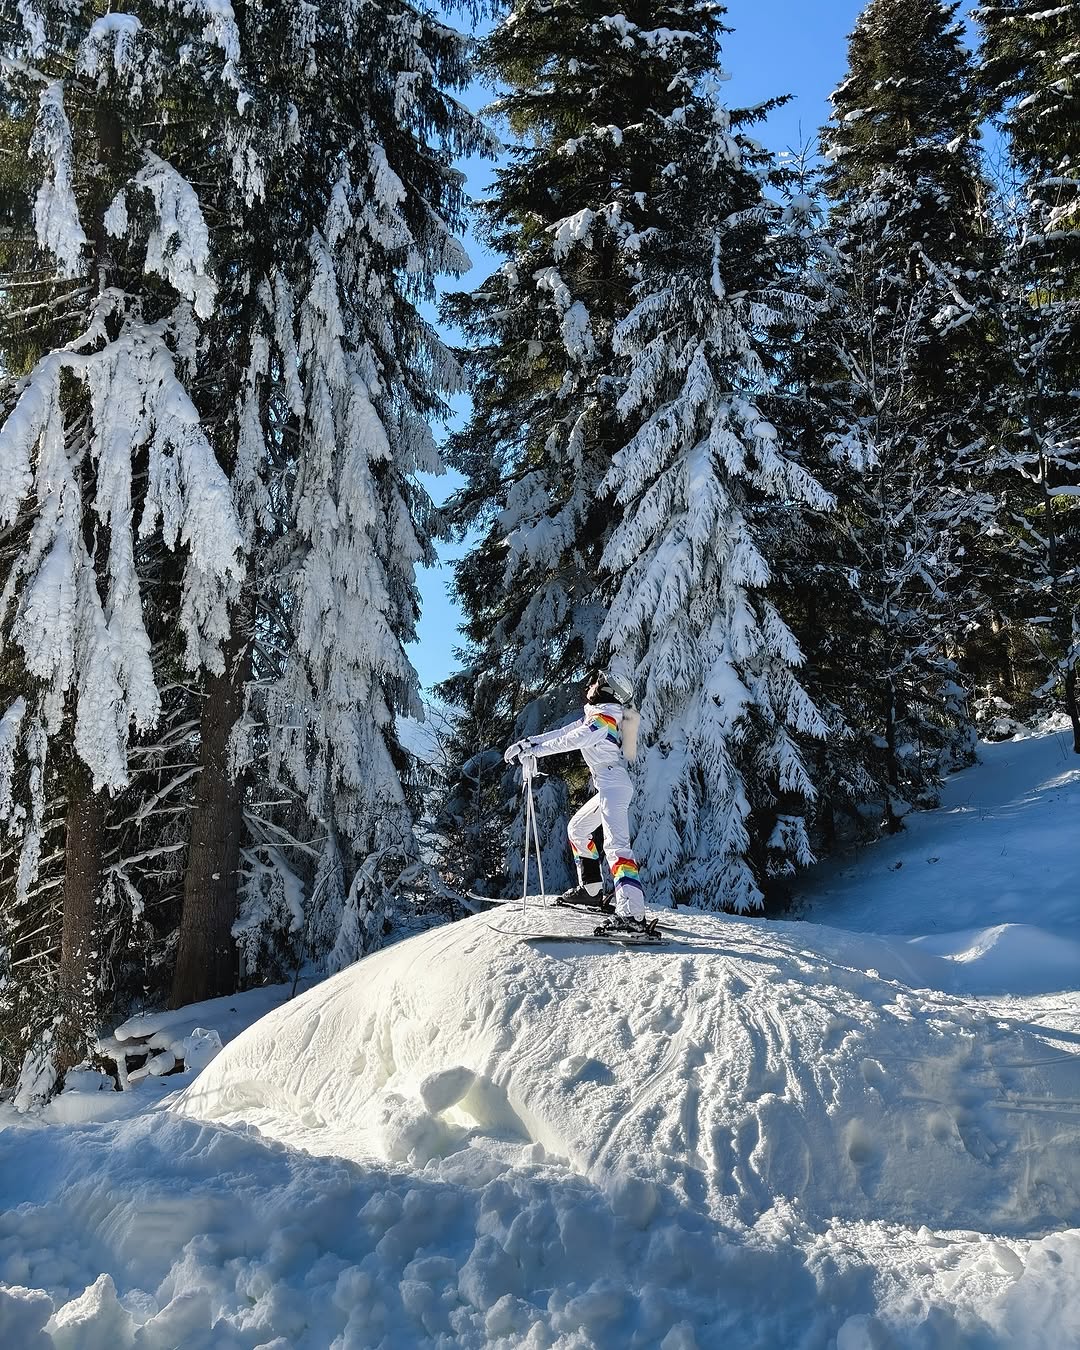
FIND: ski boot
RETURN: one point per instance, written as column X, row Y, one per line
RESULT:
column 588, row 893
column 622, row 924
column 580, row 898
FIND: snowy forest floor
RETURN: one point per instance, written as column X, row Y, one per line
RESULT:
column 856, row 1129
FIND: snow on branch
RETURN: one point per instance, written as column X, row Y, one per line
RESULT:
column 10, row 725
column 75, row 632
column 220, row 29
column 179, row 246
column 111, row 48
column 56, row 213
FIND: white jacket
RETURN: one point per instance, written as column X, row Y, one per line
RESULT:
column 598, row 735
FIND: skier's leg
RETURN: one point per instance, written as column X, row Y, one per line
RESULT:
column 582, row 827
column 615, row 817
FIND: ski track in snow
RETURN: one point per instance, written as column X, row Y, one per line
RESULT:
column 776, row 1135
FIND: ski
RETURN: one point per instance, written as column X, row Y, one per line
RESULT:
column 535, row 901
column 546, row 902
column 614, row 939
column 494, row 899
column 578, row 908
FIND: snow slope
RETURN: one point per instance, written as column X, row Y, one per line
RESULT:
column 775, row 1135
column 1003, row 847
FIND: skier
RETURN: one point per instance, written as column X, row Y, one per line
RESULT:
column 599, row 737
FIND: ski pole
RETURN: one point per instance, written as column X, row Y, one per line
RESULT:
column 532, row 832
column 536, row 831
column 526, row 778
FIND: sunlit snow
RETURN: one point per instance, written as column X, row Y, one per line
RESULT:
column 855, row 1130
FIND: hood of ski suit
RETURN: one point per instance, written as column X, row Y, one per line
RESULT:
column 597, row 735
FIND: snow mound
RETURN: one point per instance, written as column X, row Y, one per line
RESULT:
column 740, row 1066
column 1013, row 957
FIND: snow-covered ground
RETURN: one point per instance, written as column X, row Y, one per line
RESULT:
column 857, row 1130
column 1003, row 848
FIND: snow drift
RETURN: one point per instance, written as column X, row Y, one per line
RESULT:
column 739, row 1065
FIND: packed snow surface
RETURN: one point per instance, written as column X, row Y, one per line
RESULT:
column 738, row 1064
column 864, row 1135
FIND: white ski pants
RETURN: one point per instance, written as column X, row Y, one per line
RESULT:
column 610, row 808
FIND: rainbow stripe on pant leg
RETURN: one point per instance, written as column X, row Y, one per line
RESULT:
column 627, row 878
column 589, row 851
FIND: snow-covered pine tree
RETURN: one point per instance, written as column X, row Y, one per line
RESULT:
column 467, row 791
column 589, row 93
column 701, row 468
column 904, row 372
column 105, row 464
column 251, row 207
column 807, row 551
column 1030, row 81
column 360, row 206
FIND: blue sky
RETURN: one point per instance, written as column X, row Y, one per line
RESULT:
column 795, row 47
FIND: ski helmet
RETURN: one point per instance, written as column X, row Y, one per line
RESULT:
column 620, row 688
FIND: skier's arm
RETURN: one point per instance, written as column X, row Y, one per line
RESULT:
column 577, row 736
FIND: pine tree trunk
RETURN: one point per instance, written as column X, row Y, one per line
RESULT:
column 1004, row 662
column 893, row 823
column 82, row 879
column 1071, row 707
column 206, row 959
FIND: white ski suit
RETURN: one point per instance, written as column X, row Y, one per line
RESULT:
column 598, row 736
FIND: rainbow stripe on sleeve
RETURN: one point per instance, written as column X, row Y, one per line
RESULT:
column 606, row 723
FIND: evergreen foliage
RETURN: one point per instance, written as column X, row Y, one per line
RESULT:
column 363, row 233
column 124, row 536
column 216, row 412
column 904, row 363
column 813, row 580
column 1029, row 80
column 574, row 213
column 723, row 782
